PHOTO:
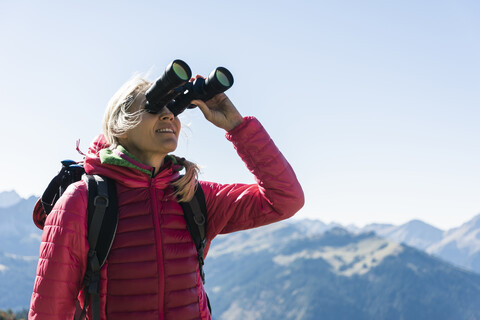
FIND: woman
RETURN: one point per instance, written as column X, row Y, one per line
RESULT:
column 152, row 270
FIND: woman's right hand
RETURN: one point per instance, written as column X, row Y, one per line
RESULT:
column 220, row 111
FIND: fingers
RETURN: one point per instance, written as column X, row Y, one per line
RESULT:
column 203, row 107
column 199, row 103
column 196, row 77
column 222, row 114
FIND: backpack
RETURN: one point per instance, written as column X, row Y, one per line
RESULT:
column 102, row 224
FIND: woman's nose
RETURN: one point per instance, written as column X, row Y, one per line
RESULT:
column 166, row 114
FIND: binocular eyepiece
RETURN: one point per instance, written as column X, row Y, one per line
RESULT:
column 174, row 90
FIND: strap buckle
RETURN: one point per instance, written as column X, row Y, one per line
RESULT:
column 101, row 201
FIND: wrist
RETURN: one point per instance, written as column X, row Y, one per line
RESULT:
column 234, row 123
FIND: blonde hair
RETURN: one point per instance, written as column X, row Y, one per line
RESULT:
column 119, row 119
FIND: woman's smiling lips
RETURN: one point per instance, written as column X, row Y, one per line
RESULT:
column 165, row 130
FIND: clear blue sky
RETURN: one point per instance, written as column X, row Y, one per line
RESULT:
column 375, row 103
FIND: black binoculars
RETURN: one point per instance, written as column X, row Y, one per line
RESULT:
column 174, row 90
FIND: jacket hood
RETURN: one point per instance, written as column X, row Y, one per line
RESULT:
column 122, row 166
column 98, row 143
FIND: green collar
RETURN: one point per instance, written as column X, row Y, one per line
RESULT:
column 121, row 157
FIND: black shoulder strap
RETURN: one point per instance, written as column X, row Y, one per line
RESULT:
column 195, row 212
column 102, row 226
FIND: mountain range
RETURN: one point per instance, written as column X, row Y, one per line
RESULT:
column 19, row 245
column 303, row 269
column 459, row 246
column 279, row 272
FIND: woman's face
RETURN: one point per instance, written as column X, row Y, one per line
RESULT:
column 154, row 137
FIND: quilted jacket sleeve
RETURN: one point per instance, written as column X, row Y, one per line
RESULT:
column 62, row 259
column 277, row 195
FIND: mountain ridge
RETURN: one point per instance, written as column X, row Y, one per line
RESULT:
column 459, row 246
column 9, row 198
column 333, row 275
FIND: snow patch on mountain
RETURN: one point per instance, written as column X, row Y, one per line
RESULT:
column 352, row 259
column 252, row 241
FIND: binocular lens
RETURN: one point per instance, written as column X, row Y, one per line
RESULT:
column 164, row 89
column 180, row 71
column 222, row 78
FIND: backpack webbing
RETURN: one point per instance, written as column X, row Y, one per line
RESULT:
column 102, row 225
column 195, row 212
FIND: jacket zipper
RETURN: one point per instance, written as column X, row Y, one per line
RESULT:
column 158, row 244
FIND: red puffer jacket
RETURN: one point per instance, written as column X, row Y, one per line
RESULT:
column 152, row 269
